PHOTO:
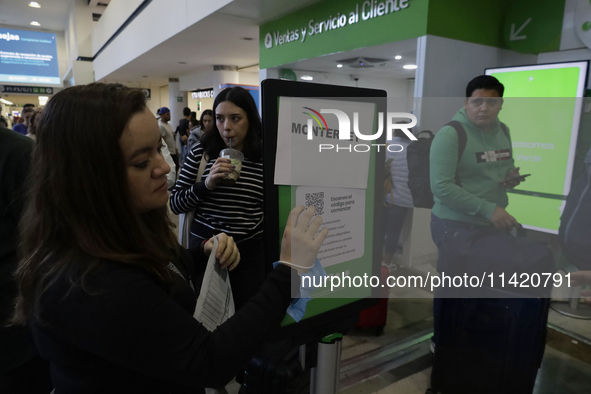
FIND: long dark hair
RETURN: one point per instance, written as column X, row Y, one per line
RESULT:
column 206, row 112
column 33, row 121
column 253, row 147
column 79, row 212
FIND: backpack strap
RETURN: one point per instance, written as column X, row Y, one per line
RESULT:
column 462, row 137
column 462, row 141
column 506, row 131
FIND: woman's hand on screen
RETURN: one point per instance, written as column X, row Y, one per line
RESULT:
column 301, row 239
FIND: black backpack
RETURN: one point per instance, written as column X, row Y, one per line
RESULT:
column 575, row 223
column 417, row 157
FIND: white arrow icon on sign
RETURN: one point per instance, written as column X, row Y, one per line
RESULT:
column 514, row 34
column 531, row 79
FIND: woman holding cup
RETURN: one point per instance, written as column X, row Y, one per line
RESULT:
column 229, row 196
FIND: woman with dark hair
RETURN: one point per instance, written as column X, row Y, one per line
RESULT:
column 206, row 121
column 200, row 127
column 236, row 210
column 107, row 290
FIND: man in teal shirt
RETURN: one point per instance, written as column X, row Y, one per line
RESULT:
column 471, row 193
column 486, row 164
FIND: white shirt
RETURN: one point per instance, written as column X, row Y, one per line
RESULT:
column 167, row 133
column 171, row 176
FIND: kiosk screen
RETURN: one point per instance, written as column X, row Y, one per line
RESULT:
column 542, row 108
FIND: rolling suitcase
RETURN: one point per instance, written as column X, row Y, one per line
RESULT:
column 489, row 345
column 375, row 316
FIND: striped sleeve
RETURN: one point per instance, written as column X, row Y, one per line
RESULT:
column 236, row 210
column 186, row 193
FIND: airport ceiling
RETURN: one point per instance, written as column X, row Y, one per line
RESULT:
column 53, row 14
column 230, row 36
column 378, row 61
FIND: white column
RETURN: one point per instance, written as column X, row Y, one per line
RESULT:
column 83, row 72
column 78, row 43
column 266, row 73
column 222, row 75
column 177, row 100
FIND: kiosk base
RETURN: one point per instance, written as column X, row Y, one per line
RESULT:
column 324, row 378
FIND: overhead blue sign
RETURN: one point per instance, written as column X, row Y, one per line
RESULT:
column 28, row 57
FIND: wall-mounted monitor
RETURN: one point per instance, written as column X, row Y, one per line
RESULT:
column 542, row 108
column 28, row 57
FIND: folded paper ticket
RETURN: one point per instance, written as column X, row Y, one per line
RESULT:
column 215, row 304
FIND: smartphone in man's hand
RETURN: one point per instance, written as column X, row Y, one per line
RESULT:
column 519, row 178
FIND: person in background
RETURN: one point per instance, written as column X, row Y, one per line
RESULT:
column 22, row 127
column 195, row 133
column 236, row 210
column 206, row 121
column 3, row 121
column 200, row 127
column 398, row 200
column 20, row 119
column 171, row 176
column 182, row 133
column 108, row 291
column 167, row 133
column 183, row 128
column 34, row 118
column 470, row 193
column 21, row 368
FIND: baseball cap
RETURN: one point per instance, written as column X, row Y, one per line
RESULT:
column 164, row 110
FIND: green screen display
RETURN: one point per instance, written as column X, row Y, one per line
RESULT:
column 542, row 108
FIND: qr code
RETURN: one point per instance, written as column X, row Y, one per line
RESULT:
column 316, row 199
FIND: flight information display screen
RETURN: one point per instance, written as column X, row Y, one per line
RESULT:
column 28, row 57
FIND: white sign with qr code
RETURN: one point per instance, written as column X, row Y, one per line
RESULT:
column 343, row 213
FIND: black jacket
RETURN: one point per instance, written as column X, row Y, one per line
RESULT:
column 131, row 336
column 15, row 152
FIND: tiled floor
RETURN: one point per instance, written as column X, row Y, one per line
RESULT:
column 562, row 371
column 576, row 326
column 566, row 367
